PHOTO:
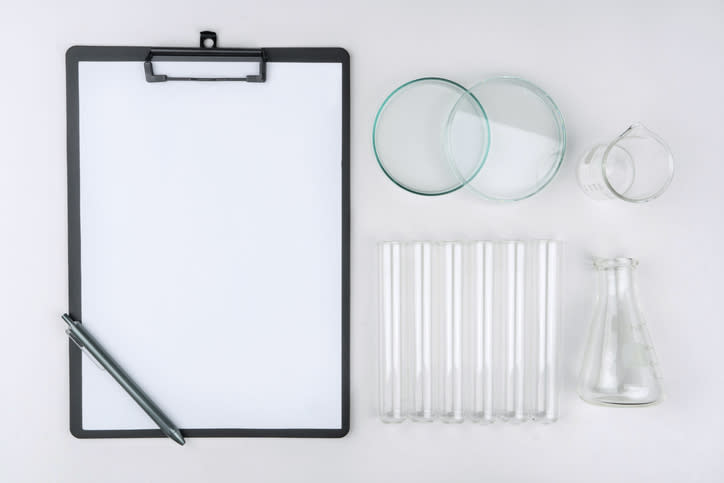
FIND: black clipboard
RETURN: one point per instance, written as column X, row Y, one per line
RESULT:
column 207, row 51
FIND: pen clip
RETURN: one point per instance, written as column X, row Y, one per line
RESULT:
column 80, row 346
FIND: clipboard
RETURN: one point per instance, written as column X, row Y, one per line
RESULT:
column 208, row 237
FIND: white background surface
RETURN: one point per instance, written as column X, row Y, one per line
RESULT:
column 605, row 64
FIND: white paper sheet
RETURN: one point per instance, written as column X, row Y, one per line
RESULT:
column 211, row 245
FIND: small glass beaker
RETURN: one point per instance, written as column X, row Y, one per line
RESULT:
column 637, row 167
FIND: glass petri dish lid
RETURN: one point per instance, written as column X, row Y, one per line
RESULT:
column 527, row 139
column 417, row 143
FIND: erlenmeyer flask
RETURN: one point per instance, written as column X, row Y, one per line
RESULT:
column 620, row 366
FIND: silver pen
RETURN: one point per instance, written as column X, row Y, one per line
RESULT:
column 87, row 342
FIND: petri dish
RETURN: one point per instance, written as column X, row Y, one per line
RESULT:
column 527, row 139
column 417, row 144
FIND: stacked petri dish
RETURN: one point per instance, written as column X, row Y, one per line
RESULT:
column 504, row 138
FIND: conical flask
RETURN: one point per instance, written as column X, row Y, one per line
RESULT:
column 619, row 366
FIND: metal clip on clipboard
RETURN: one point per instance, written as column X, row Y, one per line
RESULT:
column 207, row 48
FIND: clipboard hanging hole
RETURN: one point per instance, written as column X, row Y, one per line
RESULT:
column 207, row 40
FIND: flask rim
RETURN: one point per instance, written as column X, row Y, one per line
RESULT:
column 611, row 263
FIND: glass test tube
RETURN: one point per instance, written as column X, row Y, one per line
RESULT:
column 390, row 333
column 421, row 337
column 482, row 334
column 540, row 326
column 512, row 331
column 520, row 332
column 553, row 307
column 544, row 313
column 451, row 397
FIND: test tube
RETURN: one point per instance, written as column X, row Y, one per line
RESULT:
column 451, row 390
column 520, row 332
column 512, row 334
column 390, row 333
column 482, row 334
column 541, row 328
column 421, row 337
column 553, row 308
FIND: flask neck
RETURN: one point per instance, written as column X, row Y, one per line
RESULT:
column 616, row 276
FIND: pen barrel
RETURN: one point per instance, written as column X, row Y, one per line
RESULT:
column 126, row 382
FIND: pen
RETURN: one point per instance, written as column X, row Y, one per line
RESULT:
column 86, row 341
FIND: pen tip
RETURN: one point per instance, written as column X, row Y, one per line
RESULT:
column 175, row 435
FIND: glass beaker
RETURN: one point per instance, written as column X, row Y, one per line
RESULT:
column 637, row 167
column 620, row 366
